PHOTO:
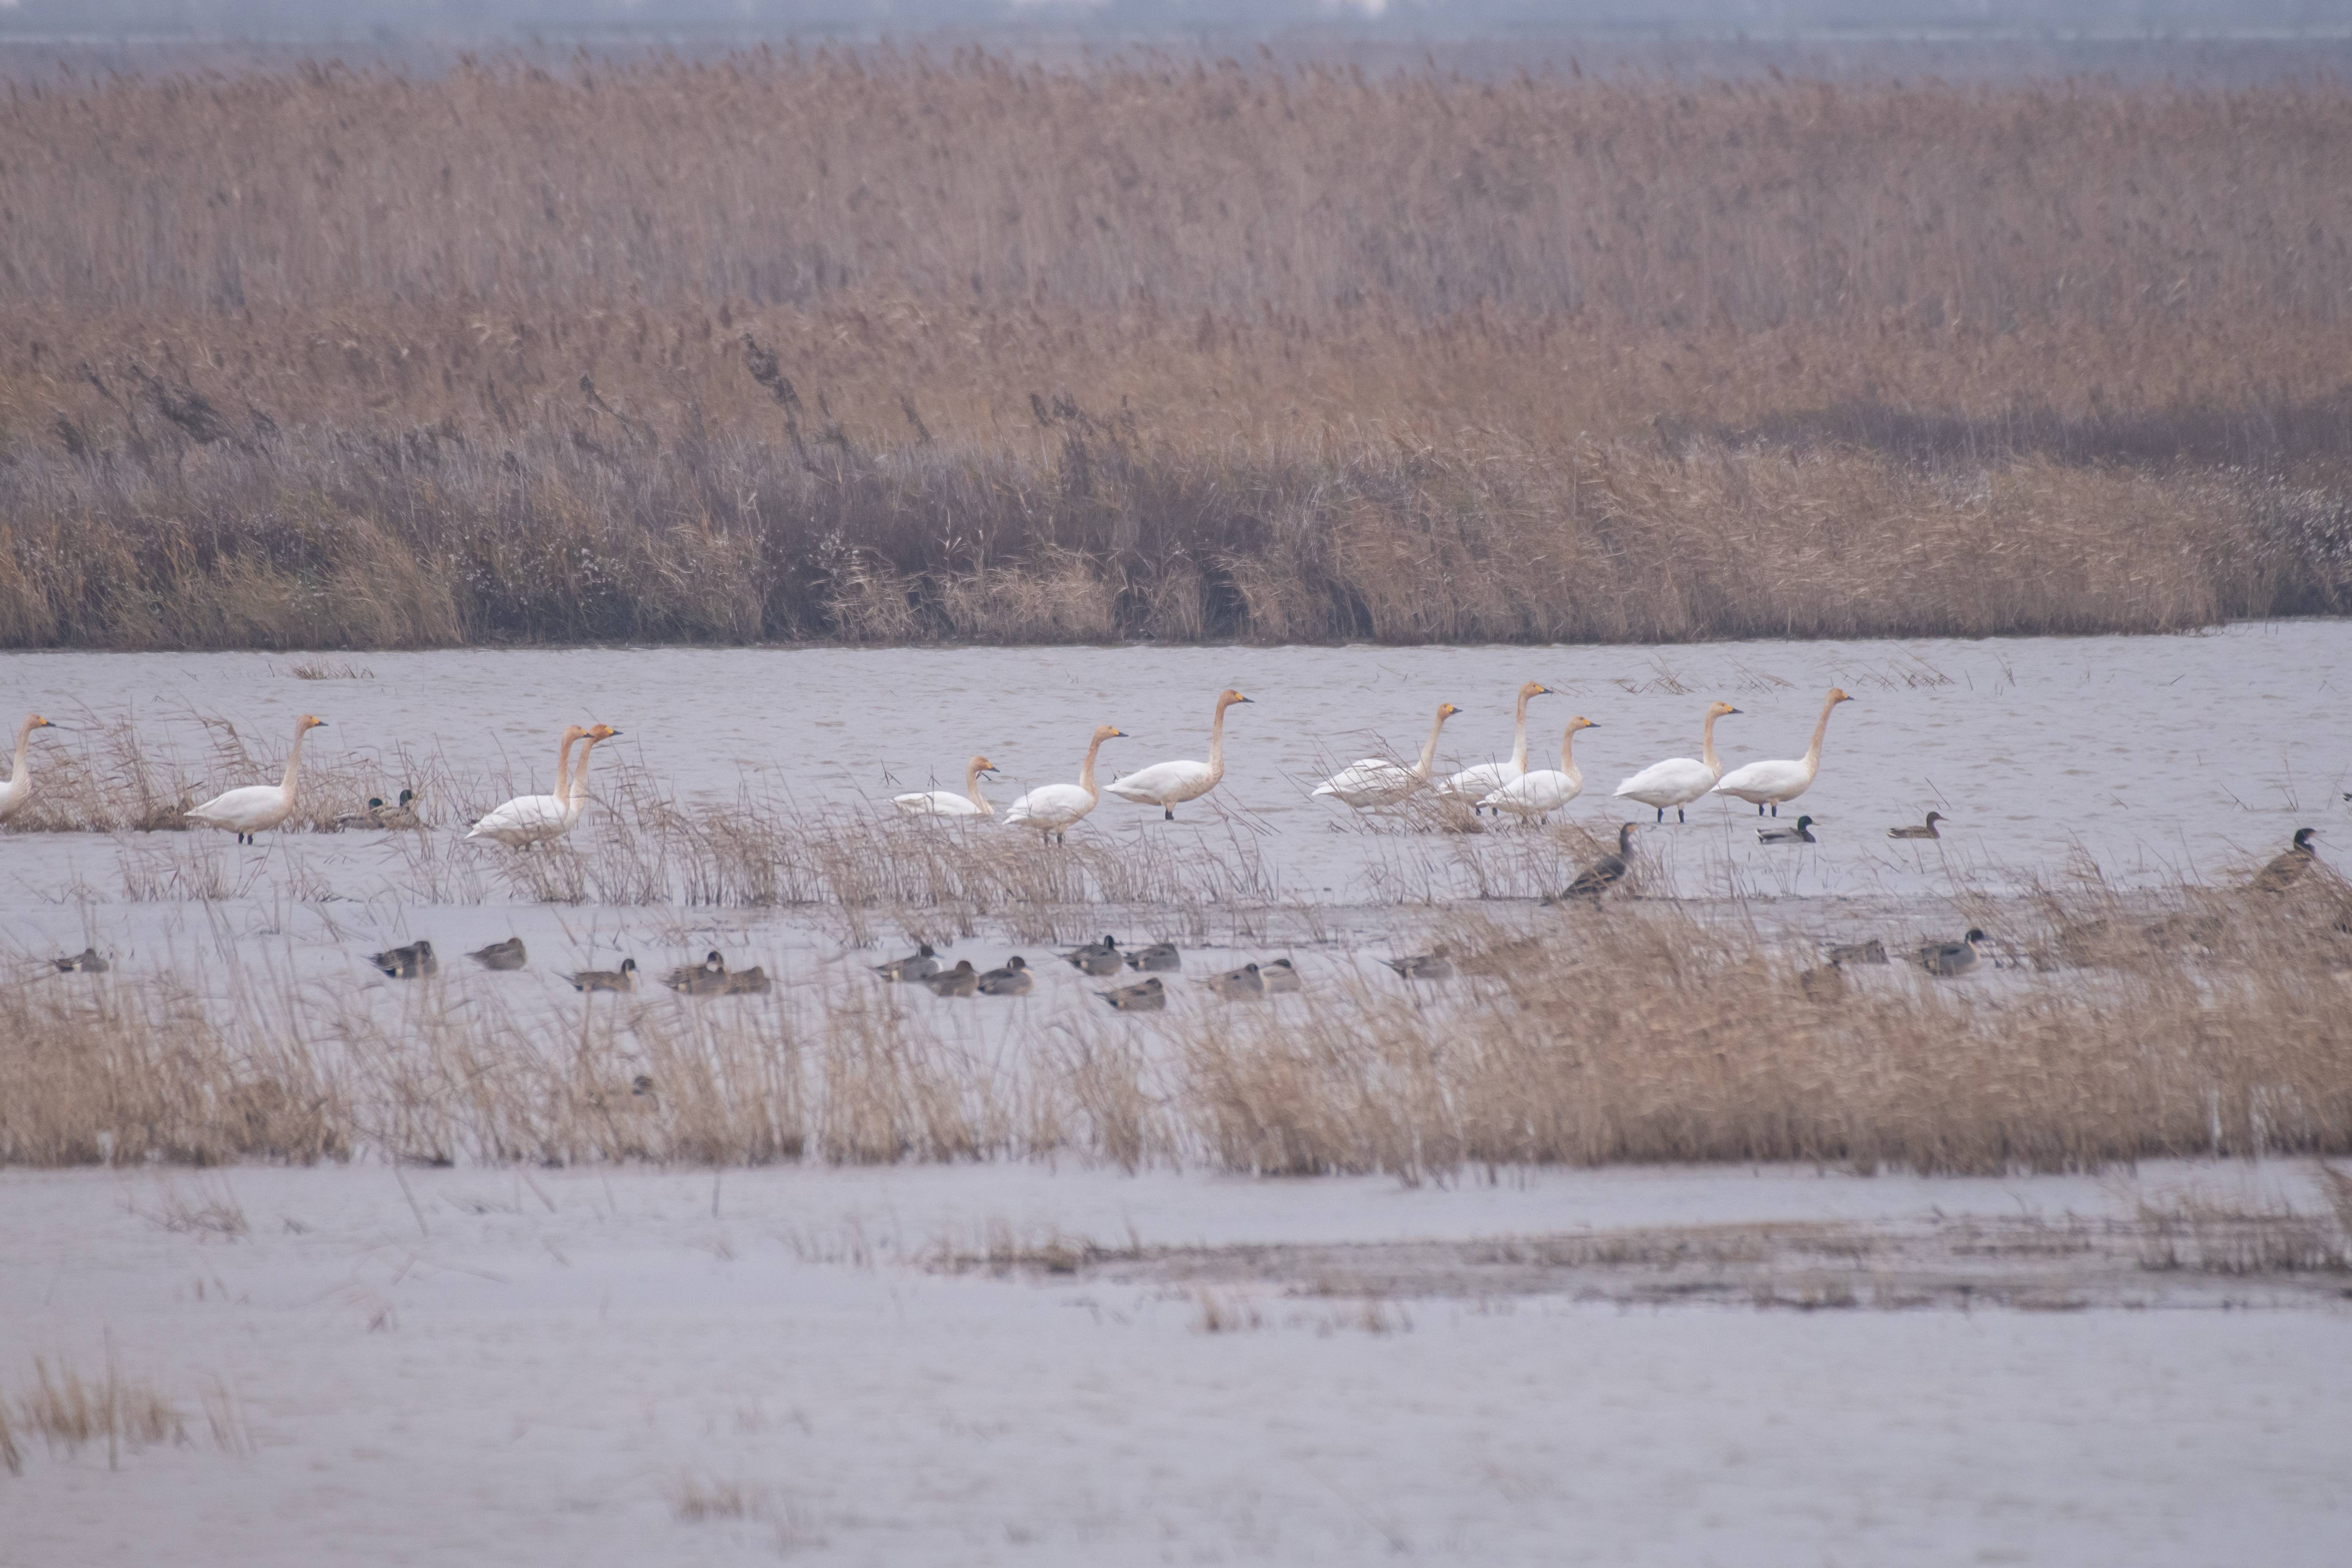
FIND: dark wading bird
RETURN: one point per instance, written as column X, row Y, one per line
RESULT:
column 1605, row 873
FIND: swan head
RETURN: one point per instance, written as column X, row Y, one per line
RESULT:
column 36, row 721
column 1581, row 723
column 1534, row 689
column 1446, row 711
column 600, row 732
column 1720, row 711
column 1109, row 732
column 981, row 765
column 572, row 732
column 1838, row 696
column 308, row 722
column 1228, row 697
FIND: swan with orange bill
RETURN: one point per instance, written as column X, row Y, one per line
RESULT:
column 1170, row 785
column 1376, row 781
column 257, row 808
column 1774, row 783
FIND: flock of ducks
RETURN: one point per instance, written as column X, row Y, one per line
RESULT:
column 1098, row 960
column 415, row 961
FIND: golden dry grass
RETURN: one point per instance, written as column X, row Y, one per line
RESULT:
column 893, row 349
column 2209, row 1023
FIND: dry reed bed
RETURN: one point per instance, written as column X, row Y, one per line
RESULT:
column 1006, row 355
column 2217, row 1026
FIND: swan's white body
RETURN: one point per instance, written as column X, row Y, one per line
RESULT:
column 18, row 792
column 1376, row 781
column 1051, row 809
column 946, row 801
column 1170, row 785
column 1545, row 790
column 1678, row 781
column 257, row 808
column 1476, row 783
column 1773, row 783
column 535, row 818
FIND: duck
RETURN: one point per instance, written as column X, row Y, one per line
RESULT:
column 1422, row 966
column 1678, row 781
column 1098, row 959
column 1376, row 781
column 1606, row 872
column 1950, row 958
column 381, row 813
column 1170, row 785
column 2287, row 867
column 622, row 979
column 1279, row 976
column 1159, row 957
column 89, row 960
column 946, row 801
column 1774, row 783
column 752, row 982
column 961, row 981
column 1474, row 784
column 1050, row 810
column 407, row 963
column 1920, row 830
column 1144, row 996
column 1803, row 833
column 919, row 964
column 257, row 808
column 1544, row 791
column 1843, row 954
column 507, row 954
column 1013, row 980
column 1235, row 985
column 18, row 792
column 708, row 978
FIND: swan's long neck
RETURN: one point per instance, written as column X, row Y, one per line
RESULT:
column 24, row 734
column 1568, row 755
column 1087, row 773
column 293, row 761
column 972, row 788
column 564, row 767
column 1429, row 751
column 579, row 801
column 1519, row 737
column 1706, row 747
column 1813, row 751
column 1217, row 746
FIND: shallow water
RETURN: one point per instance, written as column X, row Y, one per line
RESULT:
column 2152, row 757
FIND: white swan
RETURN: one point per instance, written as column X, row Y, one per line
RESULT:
column 946, row 801
column 1170, row 785
column 530, row 818
column 257, row 808
column 19, row 791
column 1376, row 781
column 1474, row 784
column 1772, row 783
column 1678, row 781
column 1050, row 809
column 1544, row 791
